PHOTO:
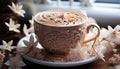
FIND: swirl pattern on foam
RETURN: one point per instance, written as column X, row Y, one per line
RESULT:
column 60, row 18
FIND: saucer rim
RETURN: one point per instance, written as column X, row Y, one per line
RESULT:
column 50, row 63
column 60, row 64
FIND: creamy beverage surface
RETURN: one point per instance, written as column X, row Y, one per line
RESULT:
column 60, row 18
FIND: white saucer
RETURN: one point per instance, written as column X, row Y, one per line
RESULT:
column 53, row 64
column 60, row 64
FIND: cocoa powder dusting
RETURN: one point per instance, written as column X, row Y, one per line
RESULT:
column 47, row 56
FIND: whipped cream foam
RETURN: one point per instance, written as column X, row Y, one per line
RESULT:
column 60, row 18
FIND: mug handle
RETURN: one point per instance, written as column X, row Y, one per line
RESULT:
column 96, row 36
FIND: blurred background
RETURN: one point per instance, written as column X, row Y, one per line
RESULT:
column 105, row 12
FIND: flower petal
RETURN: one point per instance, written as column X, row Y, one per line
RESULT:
column 11, row 21
column 7, row 24
column 117, row 28
column 21, row 14
column 13, row 5
column 10, row 42
column 11, row 29
column 4, row 42
column 7, row 63
column 26, row 42
column 110, row 29
column 25, row 30
column 16, row 30
column 31, row 22
column 22, row 11
column 31, row 39
column 36, row 42
column 1, row 47
column 16, row 26
column 20, row 6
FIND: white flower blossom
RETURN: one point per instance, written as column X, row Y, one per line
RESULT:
column 29, row 30
column 15, row 62
column 7, row 46
column 101, row 49
column 103, row 33
column 100, row 55
column 17, row 9
column 12, row 26
column 31, row 45
column 114, row 32
column 30, row 42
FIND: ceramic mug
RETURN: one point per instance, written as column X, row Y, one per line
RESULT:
column 59, row 31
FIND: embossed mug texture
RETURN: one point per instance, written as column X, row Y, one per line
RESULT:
column 60, row 39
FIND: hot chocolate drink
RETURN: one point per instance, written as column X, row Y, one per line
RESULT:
column 61, row 31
